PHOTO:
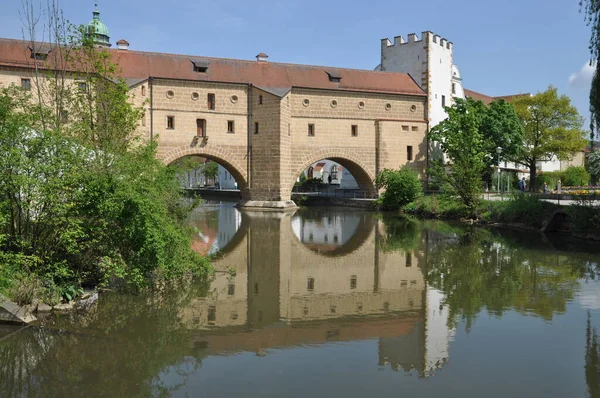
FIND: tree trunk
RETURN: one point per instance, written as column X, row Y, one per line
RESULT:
column 532, row 176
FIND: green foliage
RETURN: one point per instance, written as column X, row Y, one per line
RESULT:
column 211, row 170
column 401, row 233
column 437, row 206
column 521, row 208
column 401, row 187
column 79, row 202
column 462, row 140
column 501, row 129
column 575, row 176
column 552, row 127
column 584, row 216
column 591, row 8
column 593, row 164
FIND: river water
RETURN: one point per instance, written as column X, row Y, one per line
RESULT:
column 334, row 302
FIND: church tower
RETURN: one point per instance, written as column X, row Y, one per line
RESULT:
column 97, row 30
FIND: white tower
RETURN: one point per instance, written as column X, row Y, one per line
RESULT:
column 429, row 61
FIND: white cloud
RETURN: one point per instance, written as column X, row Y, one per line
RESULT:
column 582, row 78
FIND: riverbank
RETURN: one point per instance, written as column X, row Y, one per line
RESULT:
column 520, row 211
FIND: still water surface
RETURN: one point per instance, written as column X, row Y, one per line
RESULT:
column 334, row 302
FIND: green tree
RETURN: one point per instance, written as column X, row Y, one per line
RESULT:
column 593, row 164
column 502, row 131
column 553, row 127
column 591, row 8
column 79, row 202
column 401, row 187
column 211, row 170
column 462, row 140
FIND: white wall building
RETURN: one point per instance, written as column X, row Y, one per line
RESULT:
column 430, row 63
column 226, row 180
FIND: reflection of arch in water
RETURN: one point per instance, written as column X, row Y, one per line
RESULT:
column 238, row 237
column 222, row 156
column 354, row 163
column 364, row 227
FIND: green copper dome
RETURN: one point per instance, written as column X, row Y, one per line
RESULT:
column 98, row 31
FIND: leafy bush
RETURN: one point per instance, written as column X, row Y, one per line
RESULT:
column 401, row 187
column 521, row 208
column 575, row 176
column 584, row 217
column 434, row 206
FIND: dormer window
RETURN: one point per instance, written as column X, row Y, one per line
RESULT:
column 334, row 76
column 200, row 65
column 41, row 53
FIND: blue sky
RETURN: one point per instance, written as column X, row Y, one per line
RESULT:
column 500, row 47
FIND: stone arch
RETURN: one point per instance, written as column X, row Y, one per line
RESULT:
column 222, row 156
column 363, row 174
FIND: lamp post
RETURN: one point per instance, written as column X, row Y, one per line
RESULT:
column 499, row 151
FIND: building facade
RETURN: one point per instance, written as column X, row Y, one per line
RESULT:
column 264, row 122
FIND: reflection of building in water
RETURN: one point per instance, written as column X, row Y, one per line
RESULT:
column 282, row 293
column 330, row 230
column 215, row 227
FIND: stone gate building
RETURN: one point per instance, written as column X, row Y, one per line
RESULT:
column 265, row 122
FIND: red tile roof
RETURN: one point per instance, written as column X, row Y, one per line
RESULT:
column 478, row 96
column 487, row 99
column 139, row 64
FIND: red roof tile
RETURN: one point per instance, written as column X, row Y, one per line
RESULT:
column 139, row 64
column 487, row 99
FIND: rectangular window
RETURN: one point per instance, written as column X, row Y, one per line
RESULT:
column 212, row 314
column 82, row 86
column 230, row 126
column 415, row 128
column 144, row 120
column 211, row 101
column 231, row 289
column 170, row 122
column 26, row 84
column 453, row 88
column 260, row 99
column 409, row 153
column 311, row 130
column 353, row 282
column 255, row 127
column 311, row 284
column 354, row 130
column 408, row 259
column 144, row 91
column 443, row 100
column 405, row 128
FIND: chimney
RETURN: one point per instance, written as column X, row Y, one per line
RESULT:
column 262, row 57
column 123, row 44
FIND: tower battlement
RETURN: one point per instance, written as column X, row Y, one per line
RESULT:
column 412, row 38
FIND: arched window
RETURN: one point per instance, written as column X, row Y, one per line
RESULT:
column 310, row 172
column 334, row 172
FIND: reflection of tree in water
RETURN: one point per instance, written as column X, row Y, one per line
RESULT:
column 592, row 359
column 481, row 270
column 119, row 349
column 400, row 233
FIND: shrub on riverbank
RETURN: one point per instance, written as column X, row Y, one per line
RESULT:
column 521, row 209
column 85, row 204
column 437, row 206
column 401, row 187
